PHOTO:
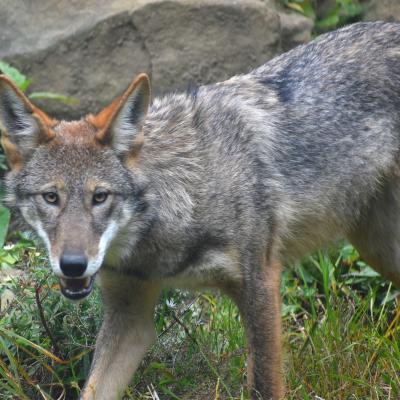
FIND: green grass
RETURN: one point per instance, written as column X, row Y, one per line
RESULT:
column 341, row 335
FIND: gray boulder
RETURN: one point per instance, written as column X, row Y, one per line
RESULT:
column 295, row 29
column 382, row 10
column 92, row 49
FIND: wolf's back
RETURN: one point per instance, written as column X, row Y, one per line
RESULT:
column 313, row 132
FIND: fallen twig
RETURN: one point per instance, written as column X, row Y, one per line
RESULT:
column 55, row 348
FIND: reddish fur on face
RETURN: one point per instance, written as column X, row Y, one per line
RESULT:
column 80, row 132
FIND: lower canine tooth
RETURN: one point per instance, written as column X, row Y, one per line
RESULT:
column 87, row 283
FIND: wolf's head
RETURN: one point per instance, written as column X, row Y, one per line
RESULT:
column 76, row 183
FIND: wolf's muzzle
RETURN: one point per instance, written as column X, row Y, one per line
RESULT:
column 73, row 265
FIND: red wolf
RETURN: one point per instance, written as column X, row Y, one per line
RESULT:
column 216, row 187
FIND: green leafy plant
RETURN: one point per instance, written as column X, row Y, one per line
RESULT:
column 23, row 83
column 340, row 12
column 4, row 221
column 304, row 7
column 344, row 12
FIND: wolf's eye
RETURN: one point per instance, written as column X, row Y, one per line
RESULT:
column 50, row 197
column 99, row 197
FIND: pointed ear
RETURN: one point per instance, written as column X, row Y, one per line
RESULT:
column 120, row 124
column 23, row 126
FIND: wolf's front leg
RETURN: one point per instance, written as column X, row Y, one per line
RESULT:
column 259, row 303
column 126, row 333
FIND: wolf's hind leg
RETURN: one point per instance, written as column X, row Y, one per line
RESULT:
column 377, row 234
column 126, row 333
column 259, row 303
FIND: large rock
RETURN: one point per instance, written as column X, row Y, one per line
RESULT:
column 296, row 29
column 382, row 10
column 91, row 49
column 206, row 41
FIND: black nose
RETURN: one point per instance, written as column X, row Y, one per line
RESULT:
column 73, row 264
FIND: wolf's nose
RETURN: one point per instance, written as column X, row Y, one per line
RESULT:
column 73, row 264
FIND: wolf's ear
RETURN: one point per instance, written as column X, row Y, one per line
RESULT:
column 23, row 126
column 120, row 124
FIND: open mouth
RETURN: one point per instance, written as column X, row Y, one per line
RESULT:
column 76, row 289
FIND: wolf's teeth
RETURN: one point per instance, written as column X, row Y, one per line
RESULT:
column 75, row 292
column 84, row 283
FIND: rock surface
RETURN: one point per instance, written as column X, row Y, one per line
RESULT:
column 382, row 10
column 295, row 29
column 92, row 49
